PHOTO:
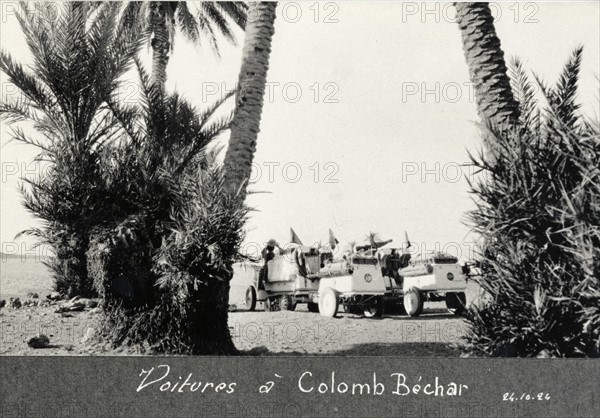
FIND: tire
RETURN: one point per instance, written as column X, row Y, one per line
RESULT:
column 375, row 309
column 313, row 307
column 456, row 302
column 328, row 303
column 250, row 298
column 286, row 303
column 413, row 302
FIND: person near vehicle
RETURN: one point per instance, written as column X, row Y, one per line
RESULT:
column 268, row 253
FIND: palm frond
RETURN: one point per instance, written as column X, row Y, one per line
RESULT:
column 524, row 93
column 564, row 95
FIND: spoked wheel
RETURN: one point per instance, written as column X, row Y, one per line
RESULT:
column 413, row 302
column 328, row 303
column 286, row 303
column 375, row 308
column 313, row 307
column 456, row 302
column 250, row 298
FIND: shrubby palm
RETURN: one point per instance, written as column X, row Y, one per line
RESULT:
column 164, row 267
column 78, row 56
column 538, row 212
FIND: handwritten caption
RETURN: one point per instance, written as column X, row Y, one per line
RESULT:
column 395, row 383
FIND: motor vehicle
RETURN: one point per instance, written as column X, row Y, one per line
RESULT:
column 288, row 281
column 311, row 275
column 437, row 277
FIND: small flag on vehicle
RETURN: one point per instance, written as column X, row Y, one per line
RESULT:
column 408, row 244
column 332, row 240
column 295, row 239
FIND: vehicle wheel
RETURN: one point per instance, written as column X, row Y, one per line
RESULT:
column 374, row 309
column 313, row 307
column 250, row 298
column 286, row 303
column 456, row 302
column 413, row 302
column 328, row 303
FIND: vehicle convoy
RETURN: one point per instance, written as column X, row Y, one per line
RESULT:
column 363, row 281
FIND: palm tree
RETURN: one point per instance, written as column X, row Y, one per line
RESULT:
column 163, row 265
column 495, row 101
column 78, row 56
column 538, row 213
column 158, row 20
column 249, row 96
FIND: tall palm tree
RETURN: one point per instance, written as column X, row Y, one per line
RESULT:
column 249, row 96
column 78, row 57
column 495, row 101
column 158, row 20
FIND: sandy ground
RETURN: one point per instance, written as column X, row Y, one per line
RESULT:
column 435, row 333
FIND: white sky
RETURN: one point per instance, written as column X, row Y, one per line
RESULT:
column 373, row 128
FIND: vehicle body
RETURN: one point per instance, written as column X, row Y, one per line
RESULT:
column 356, row 282
column 287, row 282
column 436, row 278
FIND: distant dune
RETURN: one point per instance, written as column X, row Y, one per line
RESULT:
column 19, row 276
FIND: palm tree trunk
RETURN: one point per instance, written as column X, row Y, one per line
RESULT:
column 249, row 99
column 160, row 45
column 209, row 327
column 496, row 104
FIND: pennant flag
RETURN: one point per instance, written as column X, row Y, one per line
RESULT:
column 295, row 239
column 408, row 244
column 332, row 240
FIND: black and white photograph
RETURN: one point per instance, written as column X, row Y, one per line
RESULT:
column 300, row 209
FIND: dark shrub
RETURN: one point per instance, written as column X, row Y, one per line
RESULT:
column 187, row 291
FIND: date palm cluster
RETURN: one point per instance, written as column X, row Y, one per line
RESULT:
column 133, row 202
column 538, row 211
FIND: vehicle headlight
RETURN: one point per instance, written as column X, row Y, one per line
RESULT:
column 450, row 276
column 368, row 278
